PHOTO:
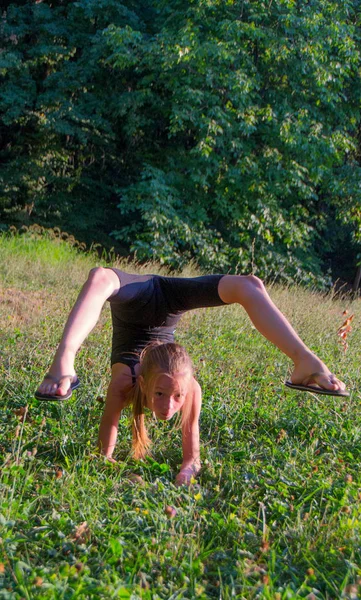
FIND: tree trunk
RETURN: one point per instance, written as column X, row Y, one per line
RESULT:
column 357, row 279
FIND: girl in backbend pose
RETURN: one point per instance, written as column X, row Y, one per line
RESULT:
column 145, row 311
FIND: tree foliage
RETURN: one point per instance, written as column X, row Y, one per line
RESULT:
column 228, row 132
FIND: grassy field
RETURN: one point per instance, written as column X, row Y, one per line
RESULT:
column 276, row 511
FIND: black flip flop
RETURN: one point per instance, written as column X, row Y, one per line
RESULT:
column 316, row 390
column 73, row 386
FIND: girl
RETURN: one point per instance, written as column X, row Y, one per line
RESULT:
column 146, row 309
column 166, row 385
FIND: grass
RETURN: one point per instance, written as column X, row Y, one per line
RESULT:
column 276, row 511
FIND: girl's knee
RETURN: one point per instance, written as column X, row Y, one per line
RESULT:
column 255, row 282
column 98, row 275
column 239, row 288
column 249, row 288
column 102, row 279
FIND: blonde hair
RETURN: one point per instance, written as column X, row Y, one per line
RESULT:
column 156, row 358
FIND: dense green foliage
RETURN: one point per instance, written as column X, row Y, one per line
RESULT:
column 275, row 514
column 227, row 132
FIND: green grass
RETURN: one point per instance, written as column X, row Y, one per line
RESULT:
column 276, row 510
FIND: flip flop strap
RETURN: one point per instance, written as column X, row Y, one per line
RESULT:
column 313, row 375
column 57, row 380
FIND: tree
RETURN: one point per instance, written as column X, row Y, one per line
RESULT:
column 222, row 131
column 260, row 107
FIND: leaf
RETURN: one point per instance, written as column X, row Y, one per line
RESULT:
column 343, row 332
column 123, row 594
column 170, row 511
column 82, row 533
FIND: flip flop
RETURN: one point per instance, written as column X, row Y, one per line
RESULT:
column 73, row 386
column 315, row 389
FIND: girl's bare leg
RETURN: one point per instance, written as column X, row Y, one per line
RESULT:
column 100, row 285
column 250, row 292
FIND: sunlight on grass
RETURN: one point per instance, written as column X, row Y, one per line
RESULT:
column 276, row 511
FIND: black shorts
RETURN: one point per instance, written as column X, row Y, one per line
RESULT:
column 148, row 307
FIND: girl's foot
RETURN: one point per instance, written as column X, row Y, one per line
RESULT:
column 310, row 370
column 61, row 377
column 57, row 386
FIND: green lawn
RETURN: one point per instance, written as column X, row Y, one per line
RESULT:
column 276, row 510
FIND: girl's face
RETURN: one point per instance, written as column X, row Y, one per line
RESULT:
column 169, row 394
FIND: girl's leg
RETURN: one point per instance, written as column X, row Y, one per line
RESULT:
column 100, row 285
column 250, row 292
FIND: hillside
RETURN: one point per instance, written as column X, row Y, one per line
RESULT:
column 275, row 512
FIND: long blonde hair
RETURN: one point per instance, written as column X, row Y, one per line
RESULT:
column 156, row 358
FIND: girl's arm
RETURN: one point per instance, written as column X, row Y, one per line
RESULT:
column 116, row 400
column 190, row 438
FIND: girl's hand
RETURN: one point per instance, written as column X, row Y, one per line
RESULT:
column 110, row 459
column 188, row 472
